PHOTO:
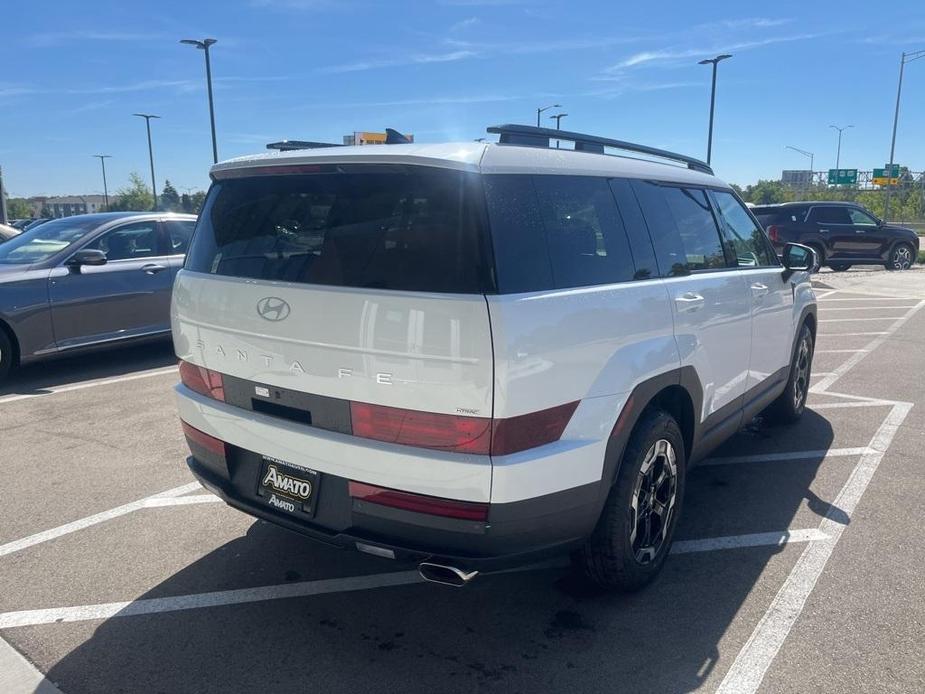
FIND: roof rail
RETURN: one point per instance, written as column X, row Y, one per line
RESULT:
column 530, row 136
column 289, row 145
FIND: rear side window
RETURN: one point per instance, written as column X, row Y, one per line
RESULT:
column 179, row 231
column 382, row 227
column 747, row 238
column 682, row 228
column 825, row 214
column 555, row 232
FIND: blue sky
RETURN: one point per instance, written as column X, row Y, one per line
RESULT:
column 317, row 69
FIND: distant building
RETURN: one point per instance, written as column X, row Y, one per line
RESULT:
column 69, row 205
column 364, row 138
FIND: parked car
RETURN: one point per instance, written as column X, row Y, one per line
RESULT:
column 88, row 281
column 841, row 233
column 473, row 355
column 20, row 223
column 32, row 223
column 7, row 232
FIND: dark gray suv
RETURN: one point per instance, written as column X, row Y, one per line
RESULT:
column 88, row 281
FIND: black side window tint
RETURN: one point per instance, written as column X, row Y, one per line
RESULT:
column 584, row 233
column 179, row 233
column 521, row 260
column 129, row 242
column 682, row 228
column 636, row 231
column 830, row 215
column 555, row 232
column 747, row 239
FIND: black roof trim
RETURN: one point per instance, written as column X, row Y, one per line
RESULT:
column 290, row 145
column 530, row 136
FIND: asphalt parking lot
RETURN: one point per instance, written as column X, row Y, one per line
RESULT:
column 798, row 564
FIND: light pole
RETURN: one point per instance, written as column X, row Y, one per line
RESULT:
column 204, row 47
column 544, row 108
column 714, row 62
column 103, row 158
column 838, row 151
column 148, row 117
column 558, row 118
column 906, row 58
column 805, row 154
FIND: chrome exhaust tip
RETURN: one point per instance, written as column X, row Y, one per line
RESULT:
column 445, row 575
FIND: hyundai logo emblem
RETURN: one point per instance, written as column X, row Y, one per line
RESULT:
column 273, row 308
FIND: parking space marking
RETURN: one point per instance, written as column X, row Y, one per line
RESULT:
column 838, row 351
column 96, row 518
column 159, row 501
column 789, row 455
column 751, row 540
column 871, row 298
column 882, row 332
column 857, row 403
column 857, row 320
column 44, row 392
column 866, row 308
column 853, row 361
column 756, row 656
column 176, row 603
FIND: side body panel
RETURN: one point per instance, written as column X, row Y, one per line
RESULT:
column 592, row 344
column 24, row 308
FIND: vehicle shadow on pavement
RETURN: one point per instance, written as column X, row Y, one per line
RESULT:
column 37, row 378
column 524, row 631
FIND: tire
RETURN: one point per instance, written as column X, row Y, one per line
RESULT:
column 790, row 404
column 838, row 267
column 6, row 355
column 651, row 477
column 902, row 257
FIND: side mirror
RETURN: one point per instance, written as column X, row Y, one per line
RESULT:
column 799, row 258
column 86, row 256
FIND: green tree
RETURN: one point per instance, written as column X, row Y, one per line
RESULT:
column 170, row 198
column 135, row 197
column 197, row 199
column 18, row 208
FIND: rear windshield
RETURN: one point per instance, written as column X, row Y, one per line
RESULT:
column 383, row 227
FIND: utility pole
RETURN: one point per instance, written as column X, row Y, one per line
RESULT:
column 148, row 117
column 714, row 62
column 838, row 151
column 103, row 158
column 544, row 108
column 3, row 217
column 558, row 118
column 906, row 58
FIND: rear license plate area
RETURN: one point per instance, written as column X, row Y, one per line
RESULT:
column 288, row 488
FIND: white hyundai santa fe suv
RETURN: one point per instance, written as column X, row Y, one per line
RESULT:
column 473, row 355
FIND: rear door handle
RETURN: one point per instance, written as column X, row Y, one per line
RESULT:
column 688, row 302
column 823, row 231
column 153, row 268
column 759, row 289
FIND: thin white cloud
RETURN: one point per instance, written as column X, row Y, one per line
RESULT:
column 54, row 38
column 746, row 23
column 417, row 59
column 670, row 55
column 142, row 86
column 464, row 24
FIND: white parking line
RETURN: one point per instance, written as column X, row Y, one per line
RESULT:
column 865, row 308
column 96, row 518
column 88, row 384
column 756, row 656
column 869, row 298
column 882, row 332
column 160, row 501
column 146, row 606
column 857, row 320
column 790, row 455
column 842, row 405
column 838, row 351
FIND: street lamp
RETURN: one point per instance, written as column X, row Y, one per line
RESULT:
column 148, row 117
column 558, row 118
column 714, row 62
column 906, row 58
column 805, row 154
column 544, row 108
column 838, row 151
column 204, row 47
column 103, row 158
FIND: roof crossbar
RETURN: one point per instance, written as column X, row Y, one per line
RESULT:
column 531, row 136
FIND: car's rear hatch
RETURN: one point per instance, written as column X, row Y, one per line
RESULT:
column 360, row 285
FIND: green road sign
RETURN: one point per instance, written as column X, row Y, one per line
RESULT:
column 883, row 173
column 843, row 177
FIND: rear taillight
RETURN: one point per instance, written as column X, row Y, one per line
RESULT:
column 425, row 429
column 202, row 380
column 432, row 505
column 202, row 439
column 774, row 233
column 460, row 434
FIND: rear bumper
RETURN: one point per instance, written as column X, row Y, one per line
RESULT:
column 515, row 534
